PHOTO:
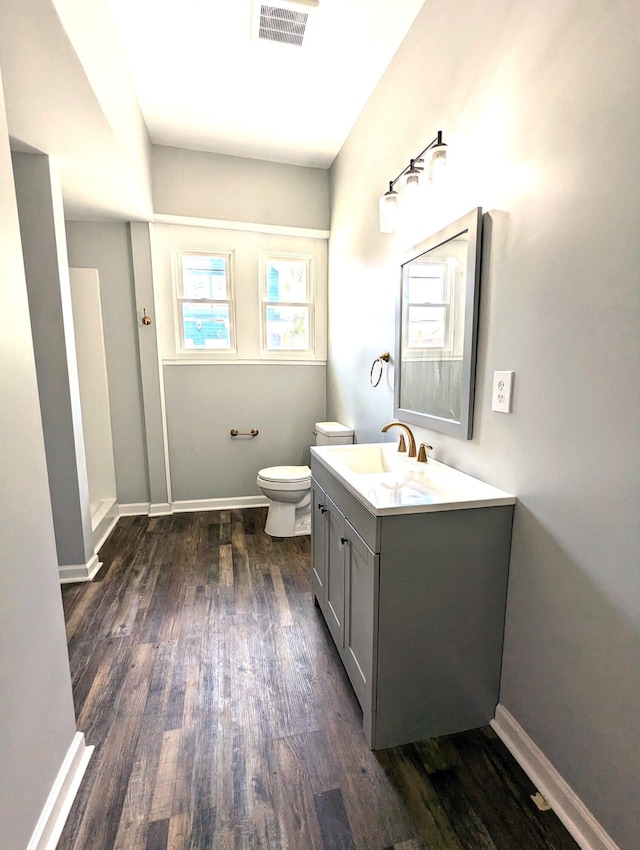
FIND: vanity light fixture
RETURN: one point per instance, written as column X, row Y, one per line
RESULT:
column 411, row 173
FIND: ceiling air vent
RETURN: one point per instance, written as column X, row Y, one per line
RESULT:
column 284, row 24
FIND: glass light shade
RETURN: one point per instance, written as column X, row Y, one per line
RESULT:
column 413, row 176
column 413, row 181
column 389, row 212
column 438, row 162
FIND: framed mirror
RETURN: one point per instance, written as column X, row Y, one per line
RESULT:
column 436, row 329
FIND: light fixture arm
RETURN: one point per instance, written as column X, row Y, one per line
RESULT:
column 412, row 163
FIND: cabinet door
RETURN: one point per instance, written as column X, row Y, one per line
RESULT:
column 361, row 617
column 335, row 576
column 319, row 521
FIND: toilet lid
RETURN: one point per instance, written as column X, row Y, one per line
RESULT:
column 285, row 473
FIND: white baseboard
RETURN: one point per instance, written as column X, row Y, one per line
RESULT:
column 107, row 507
column 134, row 509
column 160, row 509
column 580, row 823
column 103, row 522
column 63, row 791
column 227, row 504
column 79, row 572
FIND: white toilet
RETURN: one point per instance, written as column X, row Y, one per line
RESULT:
column 288, row 488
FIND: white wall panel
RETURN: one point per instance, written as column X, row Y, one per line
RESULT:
column 94, row 389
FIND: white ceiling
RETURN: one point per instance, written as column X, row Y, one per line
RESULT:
column 205, row 82
column 82, row 78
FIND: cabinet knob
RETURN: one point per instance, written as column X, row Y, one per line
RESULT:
column 344, row 540
column 322, row 508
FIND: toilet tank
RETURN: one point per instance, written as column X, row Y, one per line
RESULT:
column 333, row 434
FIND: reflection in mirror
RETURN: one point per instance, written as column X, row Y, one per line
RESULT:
column 436, row 329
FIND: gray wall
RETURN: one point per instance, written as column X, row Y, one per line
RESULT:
column 205, row 402
column 540, row 106
column 189, row 183
column 107, row 247
column 39, row 198
column 150, row 370
column 37, row 722
column 231, row 188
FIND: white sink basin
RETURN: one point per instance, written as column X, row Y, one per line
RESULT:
column 368, row 458
column 388, row 482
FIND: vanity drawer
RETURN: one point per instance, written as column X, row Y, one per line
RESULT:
column 365, row 523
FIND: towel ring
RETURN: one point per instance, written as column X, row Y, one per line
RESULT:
column 379, row 361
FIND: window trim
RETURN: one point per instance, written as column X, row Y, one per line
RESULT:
column 287, row 354
column 179, row 299
column 429, row 352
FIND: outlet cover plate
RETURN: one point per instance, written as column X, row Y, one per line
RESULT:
column 501, row 395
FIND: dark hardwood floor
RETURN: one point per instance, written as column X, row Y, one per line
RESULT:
column 223, row 719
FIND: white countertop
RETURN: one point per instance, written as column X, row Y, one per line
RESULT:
column 387, row 482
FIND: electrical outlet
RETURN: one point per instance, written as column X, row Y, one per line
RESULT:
column 501, row 396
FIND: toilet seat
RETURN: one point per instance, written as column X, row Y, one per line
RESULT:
column 286, row 475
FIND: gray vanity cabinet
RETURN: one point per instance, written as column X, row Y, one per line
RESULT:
column 329, row 585
column 318, row 543
column 415, row 603
column 361, row 579
column 344, row 579
column 336, row 584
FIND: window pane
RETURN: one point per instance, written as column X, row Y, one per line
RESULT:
column 427, row 283
column 287, row 328
column 206, row 326
column 204, row 277
column 286, row 280
column 427, row 327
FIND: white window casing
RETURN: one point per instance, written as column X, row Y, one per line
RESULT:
column 287, row 305
column 250, row 312
column 205, row 323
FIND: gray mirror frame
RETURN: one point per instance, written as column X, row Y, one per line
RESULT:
column 463, row 428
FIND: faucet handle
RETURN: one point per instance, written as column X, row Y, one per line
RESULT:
column 422, row 452
column 402, row 446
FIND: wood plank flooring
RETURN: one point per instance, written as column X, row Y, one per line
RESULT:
column 223, row 719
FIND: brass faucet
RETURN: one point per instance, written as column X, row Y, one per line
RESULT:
column 411, row 438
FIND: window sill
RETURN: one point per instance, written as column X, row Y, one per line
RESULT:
column 204, row 361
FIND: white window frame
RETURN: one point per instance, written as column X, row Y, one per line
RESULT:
column 179, row 299
column 429, row 352
column 287, row 354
